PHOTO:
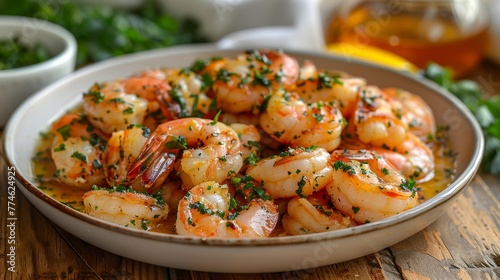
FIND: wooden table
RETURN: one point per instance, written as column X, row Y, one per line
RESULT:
column 463, row 244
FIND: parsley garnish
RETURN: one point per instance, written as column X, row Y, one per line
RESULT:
column 216, row 118
column 177, row 142
column 79, row 156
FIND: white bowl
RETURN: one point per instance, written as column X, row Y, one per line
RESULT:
column 18, row 83
column 236, row 255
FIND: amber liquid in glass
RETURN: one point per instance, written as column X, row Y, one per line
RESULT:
column 409, row 34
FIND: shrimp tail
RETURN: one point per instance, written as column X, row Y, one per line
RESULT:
column 158, row 171
column 171, row 109
column 154, row 163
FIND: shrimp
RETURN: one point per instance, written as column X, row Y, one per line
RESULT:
column 209, row 67
column 291, row 121
column 377, row 120
column 77, row 151
column 172, row 192
column 313, row 214
column 413, row 158
column 122, row 149
column 295, row 172
column 151, row 86
column 250, row 140
column 206, row 211
column 110, row 108
column 244, row 118
column 126, row 208
column 367, row 188
column 307, row 70
column 210, row 151
column 415, row 112
column 243, row 83
column 330, row 87
column 188, row 90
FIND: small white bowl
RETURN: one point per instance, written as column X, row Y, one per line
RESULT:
column 18, row 83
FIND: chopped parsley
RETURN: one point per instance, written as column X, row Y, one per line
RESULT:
column 79, row 156
column 344, row 167
column 177, row 142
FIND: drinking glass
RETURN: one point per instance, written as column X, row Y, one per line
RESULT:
column 452, row 33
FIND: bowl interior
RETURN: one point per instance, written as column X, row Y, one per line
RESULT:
column 31, row 31
column 38, row 112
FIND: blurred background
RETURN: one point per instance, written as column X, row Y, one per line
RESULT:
column 405, row 34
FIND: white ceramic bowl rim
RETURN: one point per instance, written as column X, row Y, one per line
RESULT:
column 450, row 192
column 70, row 44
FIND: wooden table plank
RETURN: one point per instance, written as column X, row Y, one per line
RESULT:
column 368, row 267
column 463, row 244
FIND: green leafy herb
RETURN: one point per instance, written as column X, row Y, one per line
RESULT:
column 105, row 32
column 14, row 53
column 59, row 148
column 485, row 109
column 64, row 131
column 216, row 118
column 79, row 156
column 177, row 142
column 301, row 185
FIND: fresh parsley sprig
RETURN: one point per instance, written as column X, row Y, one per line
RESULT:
column 103, row 32
column 486, row 109
column 14, row 54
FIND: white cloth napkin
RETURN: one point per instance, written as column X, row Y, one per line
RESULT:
column 304, row 32
column 295, row 24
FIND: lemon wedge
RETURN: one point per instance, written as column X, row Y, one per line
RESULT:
column 372, row 54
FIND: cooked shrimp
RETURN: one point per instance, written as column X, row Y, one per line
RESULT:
column 376, row 120
column 243, row 83
column 414, row 112
column 123, row 148
column 110, row 108
column 313, row 214
column 188, row 90
column 206, row 211
column 172, row 192
column 77, row 151
column 209, row 67
column 413, row 158
column 152, row 86
column 295, row 172
column 329, row 87
column 367, row 188
column 125, row 208
column 245, row 118
column 307, row 70
column 250, row 140
column 210, row 151
column 291, row 121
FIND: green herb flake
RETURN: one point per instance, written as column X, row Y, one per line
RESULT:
column 79, row 156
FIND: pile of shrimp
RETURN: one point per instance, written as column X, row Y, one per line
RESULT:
column 239, row 147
